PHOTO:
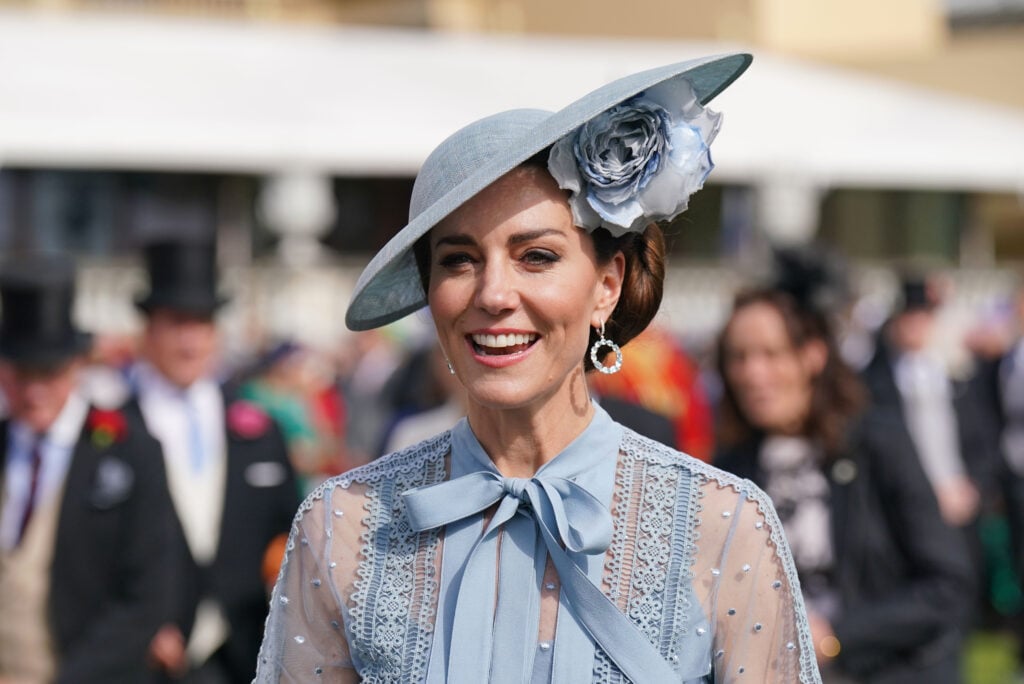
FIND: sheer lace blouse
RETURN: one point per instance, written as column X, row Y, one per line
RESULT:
column 696, row 561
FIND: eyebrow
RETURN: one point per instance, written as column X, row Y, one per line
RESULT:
column 519, row 238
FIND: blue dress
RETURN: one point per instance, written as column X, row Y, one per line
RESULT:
column 620, row 560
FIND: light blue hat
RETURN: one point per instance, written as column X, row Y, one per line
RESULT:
column 477, row 155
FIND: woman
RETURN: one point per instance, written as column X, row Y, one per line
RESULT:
column 538, row 540
column 885, row 581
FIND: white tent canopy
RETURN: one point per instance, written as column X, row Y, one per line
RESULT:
column 143, row 93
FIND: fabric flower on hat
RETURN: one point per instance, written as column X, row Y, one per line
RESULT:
column 637, row 162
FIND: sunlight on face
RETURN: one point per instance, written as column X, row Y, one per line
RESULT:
column 514, row 290
column 769, row 377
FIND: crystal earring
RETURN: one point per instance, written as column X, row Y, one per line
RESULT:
column 605, row 342
column 451, row 368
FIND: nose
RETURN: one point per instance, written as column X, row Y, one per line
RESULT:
column 748, row 371
column 496, row 291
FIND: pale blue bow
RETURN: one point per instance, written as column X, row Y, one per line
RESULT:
column 495, row 641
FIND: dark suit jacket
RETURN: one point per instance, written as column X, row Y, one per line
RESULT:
column 111, row 562
column 260, row 499
column 902, row 574
column 989, row 380
column 978, row 442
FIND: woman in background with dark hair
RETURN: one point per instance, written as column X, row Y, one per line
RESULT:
column 884, row 579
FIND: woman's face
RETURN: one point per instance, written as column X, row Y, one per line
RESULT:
column 514, row 289
column 769, row 377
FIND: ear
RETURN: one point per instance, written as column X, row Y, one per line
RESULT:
column 813, row 357
column 609, row 287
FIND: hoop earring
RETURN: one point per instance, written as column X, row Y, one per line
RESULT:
column 605, row 342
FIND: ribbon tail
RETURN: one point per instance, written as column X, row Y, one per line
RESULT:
column 445, row 502
column 616, row 634
column 517, row 616
column 470, row 656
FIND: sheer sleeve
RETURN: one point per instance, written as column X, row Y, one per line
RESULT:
column 745, row 579
column 305, row 638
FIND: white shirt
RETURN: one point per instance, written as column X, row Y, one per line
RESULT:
column 56, row 448
column 198, row 493
column 931, row 419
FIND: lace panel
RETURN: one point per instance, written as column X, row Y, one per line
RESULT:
column 375, row 611
column 358, row 589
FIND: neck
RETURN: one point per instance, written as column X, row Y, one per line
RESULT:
column 520, row 440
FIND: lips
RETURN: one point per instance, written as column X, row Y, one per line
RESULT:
column 501, row 344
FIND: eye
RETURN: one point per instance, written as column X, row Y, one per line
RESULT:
column 539, row 257
column 454, row 260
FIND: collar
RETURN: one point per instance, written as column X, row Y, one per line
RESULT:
column 148, row 380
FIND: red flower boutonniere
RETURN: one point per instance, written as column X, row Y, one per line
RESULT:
column 106, row 427
column 247, row 420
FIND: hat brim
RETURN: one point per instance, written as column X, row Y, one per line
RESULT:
column 389, row 287
column 36, row 353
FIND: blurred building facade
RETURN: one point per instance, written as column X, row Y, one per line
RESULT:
column 292, row 242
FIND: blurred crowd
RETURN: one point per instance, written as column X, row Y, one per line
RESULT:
column 898, row 476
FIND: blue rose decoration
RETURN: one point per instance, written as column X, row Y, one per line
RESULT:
column 637, row 162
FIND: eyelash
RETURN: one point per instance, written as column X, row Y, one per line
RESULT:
column 533, row 257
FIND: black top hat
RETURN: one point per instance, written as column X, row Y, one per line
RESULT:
column 916, row 295
column 182, row 276
column 814, row 277
column 37, row 293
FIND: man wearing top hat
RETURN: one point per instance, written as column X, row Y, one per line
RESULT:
column 940, row 413
column 85, row 514
column 233, row 488
column 943, row 415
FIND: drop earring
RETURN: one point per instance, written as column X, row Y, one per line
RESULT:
column 605, row 342
column 451, row 368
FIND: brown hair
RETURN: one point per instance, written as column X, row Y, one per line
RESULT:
column 837, row 394
column 643, row 277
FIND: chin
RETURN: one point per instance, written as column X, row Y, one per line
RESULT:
column 499, row 395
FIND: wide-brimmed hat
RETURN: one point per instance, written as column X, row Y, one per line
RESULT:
column 480, row 153
column 182, row 276
column 36, row 294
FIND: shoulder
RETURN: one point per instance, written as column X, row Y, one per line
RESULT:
column 119, row 459
column 881, row 432
column 880, row 442
column 639, row 448
column 414, row 465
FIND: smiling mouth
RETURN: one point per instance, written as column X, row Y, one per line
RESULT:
column 502, row 345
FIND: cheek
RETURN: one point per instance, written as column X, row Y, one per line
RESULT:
column 793, row 382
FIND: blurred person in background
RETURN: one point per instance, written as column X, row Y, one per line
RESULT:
column 367, row 362
column 441, row 394
column 232, row 484
column 86, row 522
column 1001, row 379
column 941, row 415
column 885, row 580
column 296, row 387
column 946, row 420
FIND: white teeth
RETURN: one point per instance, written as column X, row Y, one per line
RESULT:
column 500, row 341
